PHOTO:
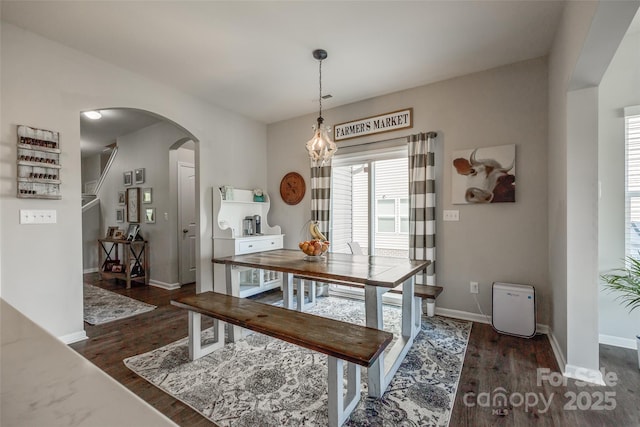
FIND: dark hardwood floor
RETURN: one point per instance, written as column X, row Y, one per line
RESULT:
column 492, row 361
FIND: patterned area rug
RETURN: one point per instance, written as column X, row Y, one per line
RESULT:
column 102, row 306
column 262, row 381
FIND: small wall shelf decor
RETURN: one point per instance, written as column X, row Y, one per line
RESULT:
column 38, row 155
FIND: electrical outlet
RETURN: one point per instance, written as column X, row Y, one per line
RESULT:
column 473, row 287
column 451, row 215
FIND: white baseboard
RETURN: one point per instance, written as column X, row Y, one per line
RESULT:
column 91, row 270
column 480, row 318
column 74, row 337
column 618, row 341
column 463, row 315
column 583, row 374
column 163, row 285
column 557, row 351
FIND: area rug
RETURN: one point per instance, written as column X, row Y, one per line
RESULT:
column 262, row 381
column 102, row 306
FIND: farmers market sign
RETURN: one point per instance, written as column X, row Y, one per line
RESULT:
column 371, row 125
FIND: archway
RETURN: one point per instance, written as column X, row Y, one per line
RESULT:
column 144, row 141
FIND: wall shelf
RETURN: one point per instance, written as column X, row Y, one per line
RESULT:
column 38, row 160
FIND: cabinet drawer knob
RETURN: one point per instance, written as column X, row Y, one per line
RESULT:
column 250, row 246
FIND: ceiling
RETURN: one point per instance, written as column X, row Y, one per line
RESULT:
column 254, row 57
column 117, row 122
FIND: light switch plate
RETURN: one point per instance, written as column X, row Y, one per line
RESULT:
column 31, row 216
column 451, row 215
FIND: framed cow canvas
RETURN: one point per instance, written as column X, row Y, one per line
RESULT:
column 484, row 175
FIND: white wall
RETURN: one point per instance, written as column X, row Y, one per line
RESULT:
column 42, row 264
column 620, row 87
column 499, row 242
column 564, row 55
column 147, row 148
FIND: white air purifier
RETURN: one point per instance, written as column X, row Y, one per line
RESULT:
column 514, row 309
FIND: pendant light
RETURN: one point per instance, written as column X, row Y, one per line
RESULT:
column 321, row 148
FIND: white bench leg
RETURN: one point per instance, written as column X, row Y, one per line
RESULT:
column 340, row 407
column 418, row 314
column 196, row 350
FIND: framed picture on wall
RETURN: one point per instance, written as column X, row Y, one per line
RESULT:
column 120, row 215
column 122, row 198
column 128, row 178
column 133, row 204
column 146, row 196
column 139, row 175
column 150, row 215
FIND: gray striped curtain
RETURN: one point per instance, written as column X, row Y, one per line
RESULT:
column 422, row 204
column 321, row 196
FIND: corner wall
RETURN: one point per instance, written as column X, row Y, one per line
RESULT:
column 497, row 242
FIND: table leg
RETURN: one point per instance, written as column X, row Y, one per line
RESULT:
column 300, row 284
column 384, row 368
column 300, row 294
column 287, row 291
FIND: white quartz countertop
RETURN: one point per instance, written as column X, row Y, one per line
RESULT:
column 45, row 383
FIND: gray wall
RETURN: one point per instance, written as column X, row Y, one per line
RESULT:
column 91, row 231
column 620, row 87
column 500, row 242
column 568, row 42
column 147, row 148
column 42, row 264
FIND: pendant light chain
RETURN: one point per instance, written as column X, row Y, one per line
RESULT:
column 320, row 68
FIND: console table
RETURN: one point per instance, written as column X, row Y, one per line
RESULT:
column 134, row 264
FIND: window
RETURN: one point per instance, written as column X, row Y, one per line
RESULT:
column 370, row 202
column 386, row 215
column 632, row 181
column 392, row 215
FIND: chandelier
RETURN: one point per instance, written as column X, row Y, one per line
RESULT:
column 321, row 148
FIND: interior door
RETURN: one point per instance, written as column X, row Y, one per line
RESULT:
column 187, row 222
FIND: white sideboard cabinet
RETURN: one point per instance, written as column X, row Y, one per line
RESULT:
column 230, row 209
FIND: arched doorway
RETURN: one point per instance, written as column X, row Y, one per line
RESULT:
column 143, row 142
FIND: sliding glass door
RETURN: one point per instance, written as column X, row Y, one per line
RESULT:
column 370, row 204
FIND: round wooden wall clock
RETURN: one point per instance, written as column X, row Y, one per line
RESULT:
column 292, row 188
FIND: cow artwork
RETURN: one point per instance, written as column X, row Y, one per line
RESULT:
column 484, row 175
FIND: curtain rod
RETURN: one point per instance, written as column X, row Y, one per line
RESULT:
column 429, row 135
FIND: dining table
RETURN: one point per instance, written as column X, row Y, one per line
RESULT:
column 377, row 274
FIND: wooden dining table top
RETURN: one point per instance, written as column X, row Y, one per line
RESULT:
column 368, row 270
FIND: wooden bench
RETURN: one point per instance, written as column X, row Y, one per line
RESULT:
column 340, row 341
